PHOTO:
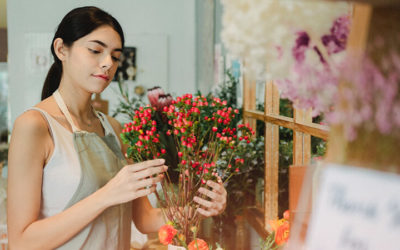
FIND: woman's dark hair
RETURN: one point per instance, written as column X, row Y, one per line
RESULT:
column 76, row 24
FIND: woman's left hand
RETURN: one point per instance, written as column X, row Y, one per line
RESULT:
column 216, row 202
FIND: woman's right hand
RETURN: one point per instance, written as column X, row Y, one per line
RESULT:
column 134, row 181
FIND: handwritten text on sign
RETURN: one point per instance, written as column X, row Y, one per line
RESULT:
column 356, row 209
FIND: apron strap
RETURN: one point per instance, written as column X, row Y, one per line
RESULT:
column 64, row 109
column 103, row 122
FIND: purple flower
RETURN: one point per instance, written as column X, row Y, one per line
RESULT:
column 340, row 29
column 336, row 41
column 301, row 46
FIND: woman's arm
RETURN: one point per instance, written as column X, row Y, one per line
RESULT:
column 29, row 147
column 147, row 219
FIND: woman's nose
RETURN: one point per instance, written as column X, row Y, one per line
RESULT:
column 106, row 62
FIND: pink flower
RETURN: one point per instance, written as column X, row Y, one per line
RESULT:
column 158, row 99
column 164, row 101
column 153, row 95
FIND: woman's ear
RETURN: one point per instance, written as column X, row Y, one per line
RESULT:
column 60, row 49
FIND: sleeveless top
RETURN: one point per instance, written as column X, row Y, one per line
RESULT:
column 81, row 163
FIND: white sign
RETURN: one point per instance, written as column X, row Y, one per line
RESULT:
column 356, row 209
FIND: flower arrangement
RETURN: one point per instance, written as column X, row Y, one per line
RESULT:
column 280, row 233
column 197, row 136
column 263, row 33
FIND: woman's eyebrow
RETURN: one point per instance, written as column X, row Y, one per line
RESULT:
column 104, row 45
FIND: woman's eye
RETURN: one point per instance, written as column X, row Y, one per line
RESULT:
column 115, row 59
column 94, row 51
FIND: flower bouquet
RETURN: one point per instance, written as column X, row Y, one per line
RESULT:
column 199, row 141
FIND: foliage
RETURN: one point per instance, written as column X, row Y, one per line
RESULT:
column 228, row 91
column 128, row 104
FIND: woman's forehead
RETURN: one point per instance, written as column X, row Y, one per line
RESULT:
column 105, row 36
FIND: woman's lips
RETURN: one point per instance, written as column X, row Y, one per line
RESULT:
column 102, row 77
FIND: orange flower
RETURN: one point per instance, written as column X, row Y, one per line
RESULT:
column 286, row 215
column 201, row 245
column 282, row 233
column 275, row 224
column 166, row 234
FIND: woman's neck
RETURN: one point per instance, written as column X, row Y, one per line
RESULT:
column 78, row 102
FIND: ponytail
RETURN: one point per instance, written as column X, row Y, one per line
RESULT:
column 53, row 79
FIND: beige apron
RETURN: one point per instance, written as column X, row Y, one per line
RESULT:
column 100, row 159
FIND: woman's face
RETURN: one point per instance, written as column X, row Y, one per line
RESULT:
column 92, row 60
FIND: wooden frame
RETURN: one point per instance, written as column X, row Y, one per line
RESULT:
column 302, row 127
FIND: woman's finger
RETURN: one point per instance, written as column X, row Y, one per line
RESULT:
column 150, row 172
column 149, row 181
column 206, row 213
column 215, row 186
column 144, row 192
column 218, row 187
column 209, row 193
column 145, row 164
column 205, row 203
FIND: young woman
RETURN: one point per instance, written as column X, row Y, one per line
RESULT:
column 68, row 187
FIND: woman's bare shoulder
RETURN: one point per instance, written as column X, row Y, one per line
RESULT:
column 30, row 139
column 31, row 121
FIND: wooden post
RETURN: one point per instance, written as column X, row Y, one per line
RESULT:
column 249, row 101
column 301, row 141
column 271, row 155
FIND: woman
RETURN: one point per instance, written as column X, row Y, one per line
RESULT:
column 67, row 186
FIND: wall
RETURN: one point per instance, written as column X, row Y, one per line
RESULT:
column 205, row 44
column 172, row 20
